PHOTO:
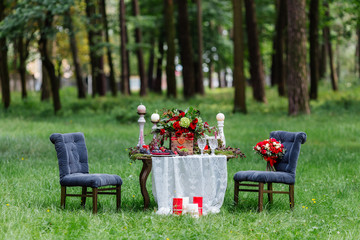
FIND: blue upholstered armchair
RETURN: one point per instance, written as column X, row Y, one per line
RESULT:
column 285, row 170
column 74, row 170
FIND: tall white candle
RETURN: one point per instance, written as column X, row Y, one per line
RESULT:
column 220, row 117
column 155, row 117
column 141, row 109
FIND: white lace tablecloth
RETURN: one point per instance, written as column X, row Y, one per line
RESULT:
column 189, row 176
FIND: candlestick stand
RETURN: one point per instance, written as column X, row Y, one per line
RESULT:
column 221, row 132
column 141, row 122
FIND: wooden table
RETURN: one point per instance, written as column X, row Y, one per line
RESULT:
column 144, row 174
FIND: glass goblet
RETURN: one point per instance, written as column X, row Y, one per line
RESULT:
column 201, row 143
column 213, row 143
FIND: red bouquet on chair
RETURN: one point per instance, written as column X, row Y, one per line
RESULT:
column 271, row 150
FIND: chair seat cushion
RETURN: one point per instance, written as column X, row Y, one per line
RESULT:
column 90, row 180
column 265, row 177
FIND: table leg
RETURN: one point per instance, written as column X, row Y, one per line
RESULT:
column 145, row 171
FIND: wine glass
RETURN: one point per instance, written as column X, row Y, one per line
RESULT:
column 201, row 143
column 213, row 142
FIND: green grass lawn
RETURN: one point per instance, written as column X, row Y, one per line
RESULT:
column 327, row 197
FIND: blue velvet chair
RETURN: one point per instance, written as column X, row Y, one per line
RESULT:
column 74, row 171
column 285, row 170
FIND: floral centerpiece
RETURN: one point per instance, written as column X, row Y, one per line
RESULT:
column 271, row 150
column 183, row 127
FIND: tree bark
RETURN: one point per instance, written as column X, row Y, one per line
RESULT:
column 323, row 56
column 211, row 70
column 170, row 53
column 139, row 52
column 74, row 52
column 279, row 68
column 108, row 49
column 333, row 75
column 49, row 66
column 125, row 84
column 256, row 67
column 186, row 50
column 4, row 72
column 150, row 71
column 159, row 70
column 358, row 46
column 296, row 60
column 314, row 48
column 23, row 50
column 238, row 78
column 200, row 74
column 45, row 84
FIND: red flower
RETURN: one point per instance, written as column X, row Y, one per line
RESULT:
column 206, row 147
column 174, row 118
column 206, row 125
column 195, row 120
column 192, row 125
column 176, row 125
column 162, row 131
column 145, row 146
column 190, row 135
column 182, row 114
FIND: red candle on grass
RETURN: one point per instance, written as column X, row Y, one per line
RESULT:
column 177, row 206
column 199, row 201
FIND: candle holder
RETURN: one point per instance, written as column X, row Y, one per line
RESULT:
column 141, row 111
column 220, row 117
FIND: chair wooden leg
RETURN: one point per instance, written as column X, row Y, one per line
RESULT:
column 236, row 192
column 270, row 195
column 118, row 197
column 83, row 197
column 63, row 196
column 291, row 196
column 95, row 195
column 261, row 196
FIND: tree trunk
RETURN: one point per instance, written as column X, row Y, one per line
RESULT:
column 256, row 67
column 279, row 68
column 125, row 84
column 323, row 56
column 314, row 48
column 22, row 49
column 45, row 84
column 49, row 66
column 296, row 60
column 358, row 46
column 170, row 52
column 200, row 74
column 150, row 72
column 238, row 78
column 139, row 52
column 186, row 50
column 333, row 75
column 158, row 79
column 211, row 70
column 4, row 72
column 108, row 49
column 74, row 52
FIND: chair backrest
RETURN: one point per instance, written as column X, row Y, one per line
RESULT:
column 292, row 143
column 71, row 153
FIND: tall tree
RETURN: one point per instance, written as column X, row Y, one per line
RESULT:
column 4, row 73
column 296, row 60
column 314, row 48
column 170, row 52
column 186, row 50
column 139, row 52
column 239, row 79
column 256, row 67
column 199, row 87
column 125, row 84
column 358, row 46
column 333, row 75
column 278, row 70
column 323, row 55
column 159, row 67
column 108, row 48
column 23, row 51
column 46, row 60
column 74, row 52
column 150, row 71
column 96, row 53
